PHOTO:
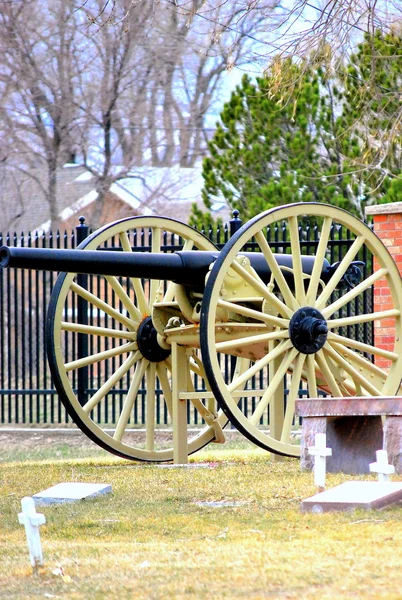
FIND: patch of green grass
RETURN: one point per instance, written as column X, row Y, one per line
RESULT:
column 151, row 539
column 53, row 452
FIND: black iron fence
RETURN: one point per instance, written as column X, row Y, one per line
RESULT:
column 27, row 394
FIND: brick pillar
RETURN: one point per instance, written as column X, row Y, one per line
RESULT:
column 388, row 226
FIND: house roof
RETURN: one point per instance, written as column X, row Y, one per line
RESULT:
column 148, row 191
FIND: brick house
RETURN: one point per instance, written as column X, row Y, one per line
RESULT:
column 151, row 191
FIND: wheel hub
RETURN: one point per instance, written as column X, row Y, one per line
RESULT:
column 308, row 330
column 148, row 342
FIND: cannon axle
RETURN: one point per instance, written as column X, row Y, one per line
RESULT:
column 308, row 330
column 147, row 340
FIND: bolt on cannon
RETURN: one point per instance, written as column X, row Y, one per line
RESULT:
column 214, row 331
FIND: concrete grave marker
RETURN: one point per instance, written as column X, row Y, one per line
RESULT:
column 382, row 467
column 31, row 521
column 320, row 453
column 71, row 492
column 355, row 494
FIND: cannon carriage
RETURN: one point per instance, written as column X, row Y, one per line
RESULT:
column 217, row 330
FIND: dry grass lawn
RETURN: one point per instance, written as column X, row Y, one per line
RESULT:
column 150, row 539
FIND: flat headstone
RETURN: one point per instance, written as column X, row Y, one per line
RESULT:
column 355, row 494
column 71, row 492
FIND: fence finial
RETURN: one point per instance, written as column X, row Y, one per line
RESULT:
column 235, row 223
column 82, row 230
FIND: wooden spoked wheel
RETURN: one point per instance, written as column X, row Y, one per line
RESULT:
column 305, row 321
column 124, row 381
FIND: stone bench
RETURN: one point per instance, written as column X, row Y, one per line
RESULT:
column 355, row 428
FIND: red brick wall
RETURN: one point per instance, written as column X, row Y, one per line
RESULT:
column 388, row 227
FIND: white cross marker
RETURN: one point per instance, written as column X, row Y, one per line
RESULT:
column 382, row 467
column 31, row 520
column 320, row 453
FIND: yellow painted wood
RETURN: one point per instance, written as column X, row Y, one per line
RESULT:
column 93, row 358
column 277, row 400
column 102, row 331
column 150, row 405
column 363, row 318
column 340, row 272
column 132, row 310
column 179, row 382
column 103, row 306
column 111, row 382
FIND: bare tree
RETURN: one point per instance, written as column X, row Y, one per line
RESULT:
column 116, row 86
column 102, row 95
column 155, row 74
column 37, row 88
column 174, row 65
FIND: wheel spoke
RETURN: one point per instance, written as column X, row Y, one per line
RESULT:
column 281, row 348
column 297, row 261
column 103, row 306
column 102, row 331
column 362, row 362
column 340, row 271
column 364, row 285
column 130, row 399
column 99, row 356
column 311, row 377
column 273, row 385
column 327, row 374
column 260, row 287
column 161, row 371
column 276, row 272
column 346, row 366
column 254, row 314
column 197, row 367
column 293, row 394
column 365, row 318
column 352, row 387
column 150, row 406
column 361, row 346
column 319, row 261
column 124, row 297
column 252, row 339
column 137, row 285
column 107, row 386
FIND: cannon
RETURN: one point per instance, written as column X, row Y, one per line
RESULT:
column 218, row 331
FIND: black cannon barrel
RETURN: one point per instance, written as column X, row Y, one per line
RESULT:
column 285, row 261
column 180, row 267
column 183, row 267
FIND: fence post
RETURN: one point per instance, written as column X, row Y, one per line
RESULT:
column 235, row 223
column 82, row 317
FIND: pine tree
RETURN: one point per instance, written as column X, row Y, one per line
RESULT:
column 370, row 129
column 312, row 136
column 264, row 147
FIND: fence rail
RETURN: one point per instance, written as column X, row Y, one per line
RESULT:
column 27, row 394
